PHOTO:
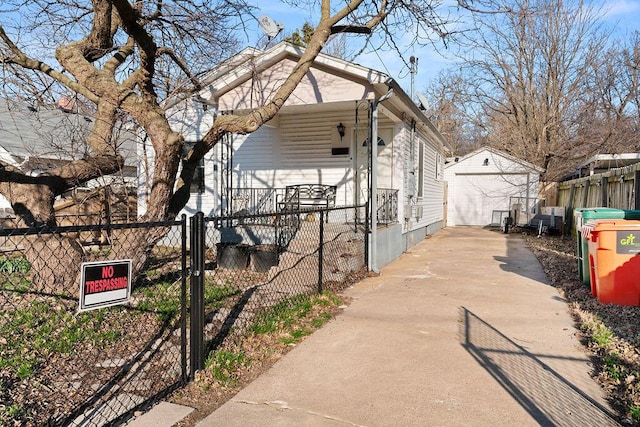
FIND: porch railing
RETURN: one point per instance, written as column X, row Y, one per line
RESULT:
column 254, row 201
column 387, row 199
column 259, row 201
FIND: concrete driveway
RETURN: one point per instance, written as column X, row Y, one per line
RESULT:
column 462, row 330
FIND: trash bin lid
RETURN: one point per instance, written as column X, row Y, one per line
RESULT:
column 609, row 213
column 622, row 224
column 607, row 224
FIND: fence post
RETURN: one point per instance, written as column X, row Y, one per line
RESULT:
column 321, row 251
column 183, row 301
column 605, row 193
column 197, row 293
column 366, row 235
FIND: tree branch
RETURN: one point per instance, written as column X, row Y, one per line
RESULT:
column 24, row 61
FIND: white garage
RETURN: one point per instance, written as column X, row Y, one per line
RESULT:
column 485, row 184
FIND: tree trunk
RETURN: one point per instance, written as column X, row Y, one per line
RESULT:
column 55, row 264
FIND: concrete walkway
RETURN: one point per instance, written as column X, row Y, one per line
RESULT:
column 462, row 330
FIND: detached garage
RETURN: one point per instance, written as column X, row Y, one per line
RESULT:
column 485, row 184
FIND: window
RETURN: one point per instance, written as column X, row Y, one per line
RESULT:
column 197, row 183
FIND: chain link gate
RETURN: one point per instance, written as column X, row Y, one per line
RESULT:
column 60, row 366
column 252, row 264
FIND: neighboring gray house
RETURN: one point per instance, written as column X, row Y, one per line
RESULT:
column 37, row 138
column 484, row 186
column 320, row 136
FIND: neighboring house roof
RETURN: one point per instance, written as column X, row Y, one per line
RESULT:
column 46, row 136
column 455, row 161
column 230, row 87
column 611, row 161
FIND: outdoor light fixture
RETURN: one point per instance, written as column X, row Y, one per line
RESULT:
column 341, row 130
column 486, row 162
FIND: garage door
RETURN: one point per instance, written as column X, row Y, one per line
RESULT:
column 477, row 196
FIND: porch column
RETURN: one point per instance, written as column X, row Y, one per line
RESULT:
column 373, row 200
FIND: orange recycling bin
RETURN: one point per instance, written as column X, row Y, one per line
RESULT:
column 614, row 258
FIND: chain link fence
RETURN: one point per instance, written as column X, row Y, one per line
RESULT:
column 265, row 263
column 60, row 366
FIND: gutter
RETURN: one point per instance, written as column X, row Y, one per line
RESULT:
column 417, row 112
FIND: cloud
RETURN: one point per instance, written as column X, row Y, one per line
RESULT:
column 621, row 8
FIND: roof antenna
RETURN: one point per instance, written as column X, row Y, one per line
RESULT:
column 414, row 70
column 269, row 27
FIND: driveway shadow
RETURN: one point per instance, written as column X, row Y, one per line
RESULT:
column 548, row 397
column 520, row 260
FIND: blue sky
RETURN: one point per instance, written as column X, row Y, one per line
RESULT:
column 624, row 14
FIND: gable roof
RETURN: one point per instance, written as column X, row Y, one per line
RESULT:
column 248, row 63
column 499, row 153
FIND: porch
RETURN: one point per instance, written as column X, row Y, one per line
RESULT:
column 263, row 201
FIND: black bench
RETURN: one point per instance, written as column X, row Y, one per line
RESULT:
column 301, row 196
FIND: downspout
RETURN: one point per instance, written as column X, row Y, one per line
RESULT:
column 411, row 179
column 373, row 200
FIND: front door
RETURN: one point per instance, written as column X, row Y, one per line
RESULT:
column 361, row 163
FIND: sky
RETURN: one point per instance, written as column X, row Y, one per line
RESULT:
column 623, row 14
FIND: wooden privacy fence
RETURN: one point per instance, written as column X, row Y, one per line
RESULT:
column 617, row 188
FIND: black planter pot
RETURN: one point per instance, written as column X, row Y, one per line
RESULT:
column 232, row 256
column 263, row 257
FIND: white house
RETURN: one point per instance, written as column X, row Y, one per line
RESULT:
column 320, row 136
column 483, row 186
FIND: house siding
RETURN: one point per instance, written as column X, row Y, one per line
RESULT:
column 318, row 86
column 431, row 200
column 299, row 150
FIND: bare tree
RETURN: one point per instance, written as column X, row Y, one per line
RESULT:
column 608, row 120
column 528, row 67
column 452, row 114
column 122, row 56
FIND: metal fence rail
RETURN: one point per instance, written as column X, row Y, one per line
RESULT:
column 387, row 206
column 254, row 201
column 59, row 366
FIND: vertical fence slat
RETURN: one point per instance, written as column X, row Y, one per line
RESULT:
column 585, row 194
